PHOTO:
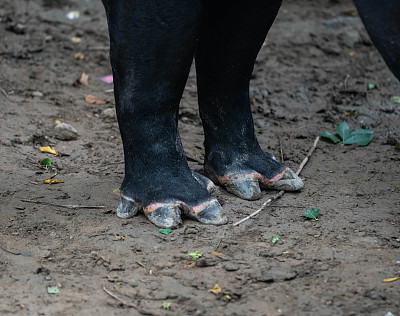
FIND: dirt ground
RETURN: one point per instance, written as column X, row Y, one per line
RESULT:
column 312, row 74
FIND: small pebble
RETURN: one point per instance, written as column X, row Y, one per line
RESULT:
column 231, row 266
column 65, row 131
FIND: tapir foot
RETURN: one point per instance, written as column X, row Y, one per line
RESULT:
column 244, row 178
column 167, row 212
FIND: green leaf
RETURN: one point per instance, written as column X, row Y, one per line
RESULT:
column 371, row 86
column 45, row 162
column 166, row 305
column 195, row 255
column 165, row 231
column 396, row 99
column 360, row 136
column 275, row 239
column 53, row 290
column 398, row 145
column 343, row 130
column 332, row 137
column 311, row 213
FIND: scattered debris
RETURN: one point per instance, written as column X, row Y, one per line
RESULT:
column 219, row 242
column 72, row 15
column 312, row 213
column 52, row 181
column 94, row 100
column 53, row 289
column 108, row 79
column 275, row 239
column 165, row 231
column 216, row 289
column 74, row 207
column 166, row 305
column 391, row 279
column 50, row 150
column 195, row 255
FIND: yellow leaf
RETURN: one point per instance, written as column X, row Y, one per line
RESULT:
column 88, row 115
column 50, row 181
column 391, row 279
column 352, row 53
column 215, row 253
column 119, row 237
column 48, row 149
column 57, row 122
column 79, row 56
column 216, row 289
column 227, row 298
column 189, row 265
column 75, row 39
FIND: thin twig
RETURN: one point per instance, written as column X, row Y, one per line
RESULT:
column 9, row 251
column 74, row 207
column 117, row 298
column 277, row 196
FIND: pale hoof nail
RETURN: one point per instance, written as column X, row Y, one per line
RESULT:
column 289, row 182
column 209, row 213
column 244, row 187
column 165, row 215
column 127, row 207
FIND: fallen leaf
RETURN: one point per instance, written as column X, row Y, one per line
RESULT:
column 352, row 53
column 45, row 162
column 189, row 265
column 53, row 290
column 88, row 115
column 215, row 253
column 216, row 289
column 52, row 181
column 57, row 122
column 371, row 86
column 108, row 79
column 79, row 56
column 166, row 305
column 396, row 99
column 84, row 79
column 343, row 130
column 72, row 15
column 330, row 136
column 75, row 39
column 275, row 239
column 119, row 237
column 360, row 136
column 50, row 150
column 165, row 231
column 195, row 255
column 312, row 213
column 227, row 298
column 94, row 100
column 349, row 113
column 116, row 191
column 391, row 279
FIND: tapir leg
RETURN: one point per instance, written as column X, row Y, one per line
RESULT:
column 382, row 21
column 230, row 37
column 152, row 45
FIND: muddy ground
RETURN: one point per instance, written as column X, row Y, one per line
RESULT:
column 312, row 74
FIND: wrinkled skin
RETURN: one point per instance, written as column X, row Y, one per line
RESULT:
column 152, row 45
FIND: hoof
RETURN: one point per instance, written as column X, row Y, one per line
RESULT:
column 286, row 181
column 209, row 212
column 164, row 215
column 127, row 207
column 244, row 186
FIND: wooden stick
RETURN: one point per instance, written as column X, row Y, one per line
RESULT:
column 277, row 196
column 74, row 207
column 117, row 298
